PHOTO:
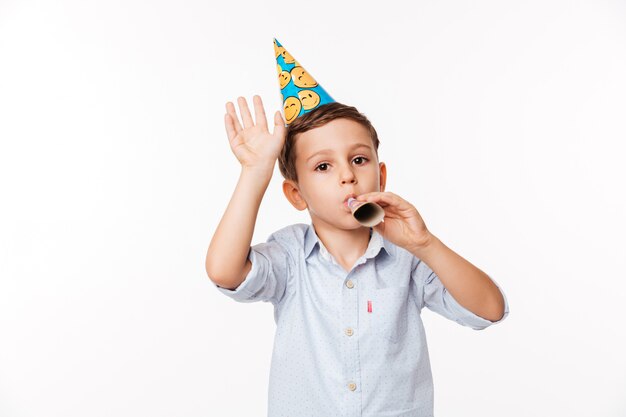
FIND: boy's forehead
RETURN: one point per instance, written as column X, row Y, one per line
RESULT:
column 306, row 153
column 337, row 135
column 337, row 146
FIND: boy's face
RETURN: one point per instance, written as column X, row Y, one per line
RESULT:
column 332, row 162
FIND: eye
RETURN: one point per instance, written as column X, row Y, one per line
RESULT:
column 360, row 157
column 320, row 165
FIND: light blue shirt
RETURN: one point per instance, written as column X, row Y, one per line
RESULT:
column 348, row 344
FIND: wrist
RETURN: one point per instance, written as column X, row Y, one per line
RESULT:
column 423, row 248
column 255, row 178
column 260, row 171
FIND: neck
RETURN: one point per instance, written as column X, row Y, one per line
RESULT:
column 346, row 246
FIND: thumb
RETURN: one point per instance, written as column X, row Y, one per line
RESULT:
column 279, row 125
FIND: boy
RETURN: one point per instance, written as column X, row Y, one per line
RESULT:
column 347, row 298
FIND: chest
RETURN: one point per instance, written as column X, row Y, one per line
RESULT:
column 373, row 298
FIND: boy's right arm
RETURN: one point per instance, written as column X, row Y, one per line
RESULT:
column 227, row 262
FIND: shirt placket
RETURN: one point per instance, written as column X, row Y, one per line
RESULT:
column 350, row 340
column 350, row 296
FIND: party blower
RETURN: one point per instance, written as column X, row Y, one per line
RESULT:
column 367, row 213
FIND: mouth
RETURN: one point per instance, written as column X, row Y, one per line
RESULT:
column 345, row 200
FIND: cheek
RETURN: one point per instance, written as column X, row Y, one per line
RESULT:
column 319, row 192
column 316, row 178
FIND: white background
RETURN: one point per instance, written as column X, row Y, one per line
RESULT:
column 502, row 122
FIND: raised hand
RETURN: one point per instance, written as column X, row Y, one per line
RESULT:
column 253, row 144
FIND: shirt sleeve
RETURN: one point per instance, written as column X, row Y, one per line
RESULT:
column 267, row 279
column 437, row 298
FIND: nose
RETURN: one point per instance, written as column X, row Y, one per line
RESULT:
column 347, row 176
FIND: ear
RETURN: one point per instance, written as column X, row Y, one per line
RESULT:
column 292, row 192
column 383, row 176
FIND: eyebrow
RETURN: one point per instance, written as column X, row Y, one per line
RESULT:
column 357, row 146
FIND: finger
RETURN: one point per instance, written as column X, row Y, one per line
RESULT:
column 230, row 127
column 245, row 112
column 230, row 109
column 375, row 197
column 365, row 196
column 279, row 125
column 259, row 112
column 385, row 198
column 234, row 138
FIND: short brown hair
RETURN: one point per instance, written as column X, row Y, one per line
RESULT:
column 316, row 118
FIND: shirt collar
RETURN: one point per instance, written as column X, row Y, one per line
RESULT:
column 376, row 243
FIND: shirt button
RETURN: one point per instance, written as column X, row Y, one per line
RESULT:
column 350, row 284
column 349, row 331
column 351, row 386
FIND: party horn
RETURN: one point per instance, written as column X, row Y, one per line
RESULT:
column 367, row 213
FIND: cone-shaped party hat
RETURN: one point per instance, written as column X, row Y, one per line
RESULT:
column 301, row 93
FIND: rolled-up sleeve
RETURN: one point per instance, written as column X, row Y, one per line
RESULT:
column 267, row 279
column 437, row 298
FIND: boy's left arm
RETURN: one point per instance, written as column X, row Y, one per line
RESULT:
column 470, row 286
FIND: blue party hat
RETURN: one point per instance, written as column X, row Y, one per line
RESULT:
column 301, row 93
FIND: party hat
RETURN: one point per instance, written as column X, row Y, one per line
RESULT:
column 300, row 92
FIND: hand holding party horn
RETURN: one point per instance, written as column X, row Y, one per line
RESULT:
column 367, row 213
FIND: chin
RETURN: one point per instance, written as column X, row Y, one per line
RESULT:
column 353, row 224
column 347, row 223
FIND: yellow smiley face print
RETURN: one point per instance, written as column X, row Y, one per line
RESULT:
column 309, row 98
column 292, row 107
column 302, row 79
column 279, row 50
column 283, row 79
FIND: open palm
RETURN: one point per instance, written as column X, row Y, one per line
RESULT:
column 253, row 144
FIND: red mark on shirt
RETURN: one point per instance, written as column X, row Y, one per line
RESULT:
column 369, row 306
